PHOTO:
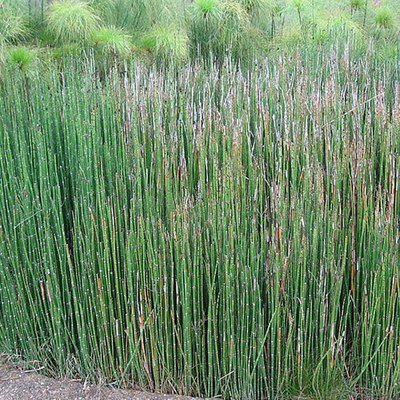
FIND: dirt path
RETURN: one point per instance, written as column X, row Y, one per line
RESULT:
column 16, row 384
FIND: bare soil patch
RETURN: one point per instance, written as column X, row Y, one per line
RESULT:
column 16, row 384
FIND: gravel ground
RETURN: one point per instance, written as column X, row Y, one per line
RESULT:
column 17, row 384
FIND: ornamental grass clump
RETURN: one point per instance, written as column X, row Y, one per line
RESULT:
column 167, row 43
column 383, row 17
column 112, row 41
column 13, row 24
column 21, row 57
column 207, row 231
column 207, row 9
column 357, row 4
column 71, row 20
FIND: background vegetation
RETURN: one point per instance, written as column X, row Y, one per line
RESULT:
column 202, row 197
column 177, row 30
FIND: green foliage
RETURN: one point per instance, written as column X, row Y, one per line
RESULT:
column 299, row 6
column 331, row 26
column 132, row 15
column 225, row 27
column 167, row 43
column 3, row 56
column 357, row 4
column 235, row 14
column 206, row 7
column 13, row 24
column 264, row 7
column 67, row 51
column 206, row 22
column 206, row 10
column 21, row 57
column 384, row 17
column 112, row 41
column 291, row 36
column 225, row 228
column 389, row 51
column 71, row 20
column 242, row 29
column 207, row 231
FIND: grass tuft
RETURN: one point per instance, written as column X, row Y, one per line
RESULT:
column 383, row 17
column 71, row 20
column 13, row 25
column 112, row 41
column 21, row 57
column 167, row 43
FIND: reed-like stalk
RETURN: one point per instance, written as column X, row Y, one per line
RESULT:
column 211, row 232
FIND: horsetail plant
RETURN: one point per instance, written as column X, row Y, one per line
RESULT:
column 205, row 231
